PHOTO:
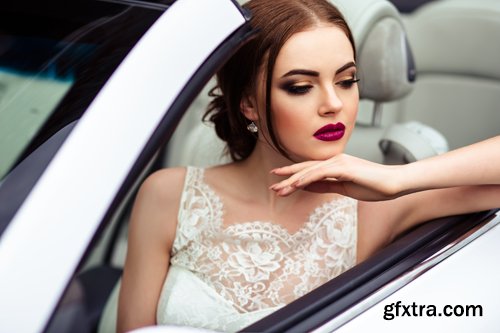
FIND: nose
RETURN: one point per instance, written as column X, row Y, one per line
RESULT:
column 330, row 102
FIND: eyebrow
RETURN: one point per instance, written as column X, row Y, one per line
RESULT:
column 346, row 66
column 316, row 74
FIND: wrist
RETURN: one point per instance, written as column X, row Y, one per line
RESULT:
column 403, row 179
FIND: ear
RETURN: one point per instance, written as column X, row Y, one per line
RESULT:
column 248, row 107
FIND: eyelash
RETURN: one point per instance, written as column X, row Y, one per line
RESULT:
column 346, row 84
column 304, row 89
column 298, row 90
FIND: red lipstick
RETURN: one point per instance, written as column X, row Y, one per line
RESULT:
column 330, row 132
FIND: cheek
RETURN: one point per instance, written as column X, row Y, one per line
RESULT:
column 284, row 105
column 350, row 117
column 289, row 114
column 352, row 111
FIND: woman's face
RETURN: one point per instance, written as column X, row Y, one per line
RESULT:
column 314, row 94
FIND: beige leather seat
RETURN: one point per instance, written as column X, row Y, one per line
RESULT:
column 456, row 44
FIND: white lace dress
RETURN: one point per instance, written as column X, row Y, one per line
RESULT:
column 225, row 278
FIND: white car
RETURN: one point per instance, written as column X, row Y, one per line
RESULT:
column 92, row 91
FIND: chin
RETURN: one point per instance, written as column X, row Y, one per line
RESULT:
column 318, row 154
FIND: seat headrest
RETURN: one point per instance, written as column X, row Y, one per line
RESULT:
column 385, row 61
column 438, row 31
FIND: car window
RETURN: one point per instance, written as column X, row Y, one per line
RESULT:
column 30, row 89
column 49, row 75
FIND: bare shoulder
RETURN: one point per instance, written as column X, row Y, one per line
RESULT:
column 152, row 228
column 164, row 184
column 157, row 203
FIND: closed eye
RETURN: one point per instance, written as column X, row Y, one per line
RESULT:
column 346, row 84
column 297, row 89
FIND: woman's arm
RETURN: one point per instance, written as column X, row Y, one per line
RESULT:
column 151, row 234
column 461, row 181
column 477, row 164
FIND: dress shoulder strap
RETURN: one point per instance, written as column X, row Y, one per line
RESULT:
column 193, row 177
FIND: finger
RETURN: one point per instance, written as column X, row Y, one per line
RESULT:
column 288, row 186
column 323, row 186
column 325, row 173
column 294, row 178
column 286, row 191
column 294, row 168
column 326, row 187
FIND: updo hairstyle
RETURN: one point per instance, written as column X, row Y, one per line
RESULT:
column 274, row 21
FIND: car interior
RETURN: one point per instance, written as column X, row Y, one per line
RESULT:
column 424, row 90
column 457, row 90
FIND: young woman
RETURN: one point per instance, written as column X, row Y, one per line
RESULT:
column 222, row 247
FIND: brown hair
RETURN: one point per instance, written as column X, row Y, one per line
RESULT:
column 275, row 22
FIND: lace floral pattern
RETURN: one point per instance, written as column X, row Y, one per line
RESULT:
column 258, row 265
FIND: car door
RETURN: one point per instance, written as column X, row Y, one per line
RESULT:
column 131, row 71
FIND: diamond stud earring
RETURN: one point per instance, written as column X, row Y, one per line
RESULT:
column 252, row 127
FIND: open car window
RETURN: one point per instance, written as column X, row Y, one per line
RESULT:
column 49, row 77
column 50, row 74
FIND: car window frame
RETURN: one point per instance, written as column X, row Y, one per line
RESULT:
column 222, row 50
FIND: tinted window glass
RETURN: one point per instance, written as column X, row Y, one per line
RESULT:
column 53, row 61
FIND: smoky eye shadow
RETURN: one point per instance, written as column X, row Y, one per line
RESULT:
column 287, row 84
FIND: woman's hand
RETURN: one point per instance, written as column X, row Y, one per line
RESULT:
column 343, row 174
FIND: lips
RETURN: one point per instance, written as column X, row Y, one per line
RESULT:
column 330, row 132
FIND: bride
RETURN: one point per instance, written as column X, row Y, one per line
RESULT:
column 220, row 248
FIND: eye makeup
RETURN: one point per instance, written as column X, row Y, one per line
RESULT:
column 346, row 84
column 301, row 87
column 294, row 88
column 347, row 80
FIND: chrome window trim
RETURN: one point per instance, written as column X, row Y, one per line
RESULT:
column 409, row 276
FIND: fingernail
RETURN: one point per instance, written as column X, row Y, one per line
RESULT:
column 286, row 190
column 280, row 186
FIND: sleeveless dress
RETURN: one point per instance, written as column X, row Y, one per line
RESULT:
column 225, row 278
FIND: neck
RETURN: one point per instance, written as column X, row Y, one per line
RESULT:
column 257, row 169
